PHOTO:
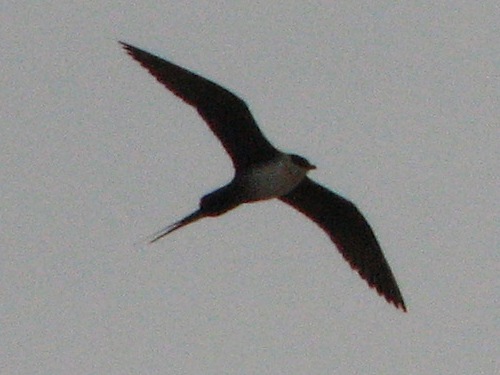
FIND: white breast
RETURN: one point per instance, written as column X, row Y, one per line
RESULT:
column 272, row 180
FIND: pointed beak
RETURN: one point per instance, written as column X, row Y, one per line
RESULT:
column 195, row 216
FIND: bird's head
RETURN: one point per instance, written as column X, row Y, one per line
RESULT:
column 303, row 163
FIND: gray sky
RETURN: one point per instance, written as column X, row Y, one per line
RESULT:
column 397, row 105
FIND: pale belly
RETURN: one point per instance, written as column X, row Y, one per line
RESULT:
column 272, row 180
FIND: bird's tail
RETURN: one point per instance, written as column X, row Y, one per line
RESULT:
column 195, row 216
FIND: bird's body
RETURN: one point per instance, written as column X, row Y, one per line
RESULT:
column 273, row 179
column 262, row 172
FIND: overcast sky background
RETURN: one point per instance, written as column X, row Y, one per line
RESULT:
column 397, row 105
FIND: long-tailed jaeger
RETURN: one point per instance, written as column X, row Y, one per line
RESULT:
column 263, row 172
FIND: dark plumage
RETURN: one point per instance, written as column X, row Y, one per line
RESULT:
column 263, row 172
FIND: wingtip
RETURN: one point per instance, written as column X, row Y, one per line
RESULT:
column 400, row 305
column 397, row 301
column 387, row 289
column 127, row 47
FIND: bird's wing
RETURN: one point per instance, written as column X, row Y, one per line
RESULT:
column 226, row 114
column 350, row 231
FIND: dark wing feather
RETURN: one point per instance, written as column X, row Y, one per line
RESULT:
column 227, row 115
column 352, row 234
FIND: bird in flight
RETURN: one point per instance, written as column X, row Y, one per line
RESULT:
column 263, row 172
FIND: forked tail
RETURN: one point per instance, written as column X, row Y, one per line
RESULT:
column 195, row 216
